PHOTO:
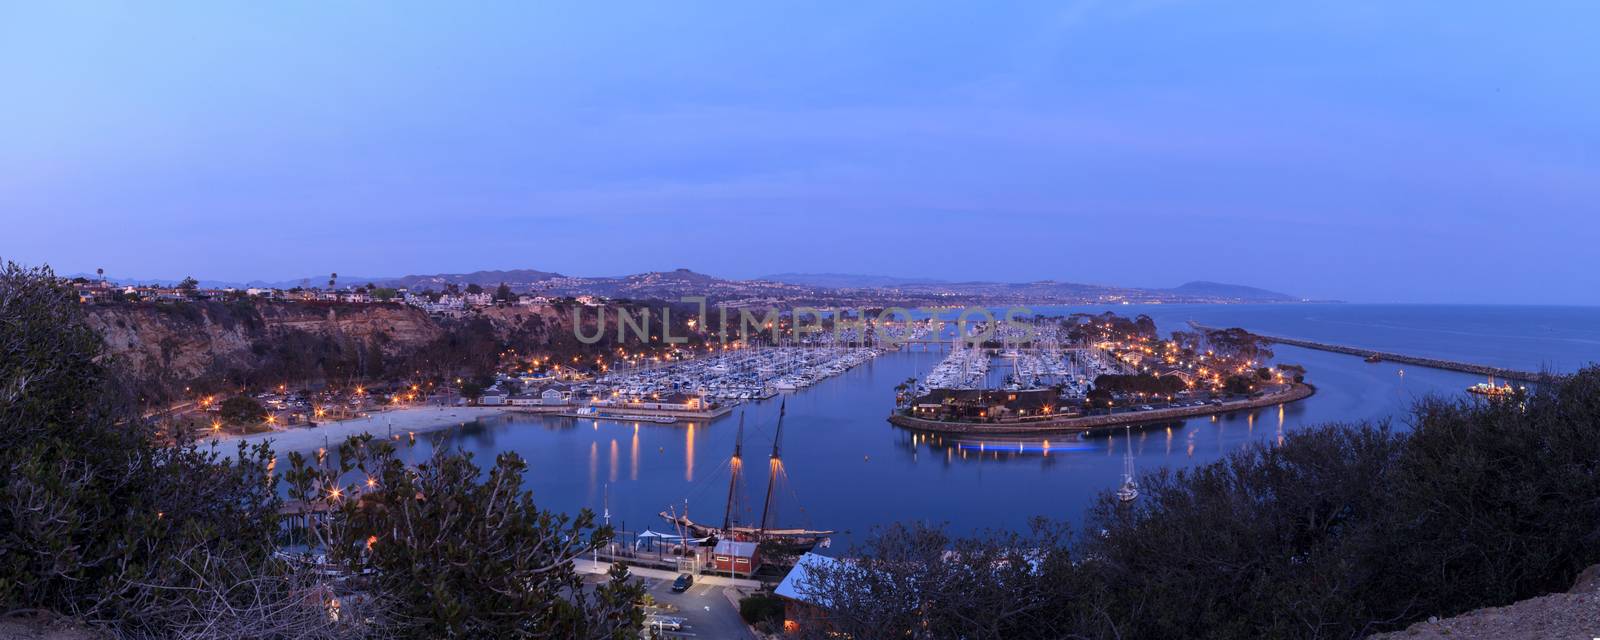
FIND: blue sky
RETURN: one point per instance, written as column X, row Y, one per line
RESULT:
column 1370, row 151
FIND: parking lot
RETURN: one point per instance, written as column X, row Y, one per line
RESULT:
column 706, row 609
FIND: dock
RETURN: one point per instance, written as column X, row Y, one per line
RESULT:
column 1431, row 363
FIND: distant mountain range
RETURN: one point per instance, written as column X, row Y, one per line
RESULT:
column 1043, row 288
column 808, row 287
column 1236, row 291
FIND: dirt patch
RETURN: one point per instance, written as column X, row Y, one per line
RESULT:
column 1574, row 614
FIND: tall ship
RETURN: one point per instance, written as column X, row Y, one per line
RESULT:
column 785, row 541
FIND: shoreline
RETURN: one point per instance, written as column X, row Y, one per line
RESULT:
column 1090, row 424
column 409, row 420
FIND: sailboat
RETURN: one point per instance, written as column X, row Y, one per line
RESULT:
column 785, row 540
column 1129, row 491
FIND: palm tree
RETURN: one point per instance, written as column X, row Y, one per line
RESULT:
column 101, row 271
column 331, row 278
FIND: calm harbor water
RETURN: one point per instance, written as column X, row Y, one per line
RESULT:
column 848, row 469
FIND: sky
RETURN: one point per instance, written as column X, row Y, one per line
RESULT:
column 1365, row 151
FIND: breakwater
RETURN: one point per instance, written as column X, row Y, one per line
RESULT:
column 1432, row 363
column 1086, row 424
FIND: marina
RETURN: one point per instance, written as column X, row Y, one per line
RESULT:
column 851, row 471
column 743, row 374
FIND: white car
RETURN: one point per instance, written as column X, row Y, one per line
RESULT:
column 664, row 623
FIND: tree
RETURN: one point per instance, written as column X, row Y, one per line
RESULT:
column 189, row 284
column 333, row 278
column 384, row 293
column 101, row 519
column 474, row 289
column 242, row 410
column 914, row 581
column 456, row 556
column 504, row 294
column 762, row 609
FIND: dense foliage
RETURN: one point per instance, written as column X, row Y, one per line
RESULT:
column 1338, row 532
column 453, row 552
column 142, row 533
column 98, row 518
column 242, row 410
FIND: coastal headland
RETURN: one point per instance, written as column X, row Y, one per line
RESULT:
column 1082, row 424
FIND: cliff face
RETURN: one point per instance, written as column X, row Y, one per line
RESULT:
column 166, row 346
column 204, row 346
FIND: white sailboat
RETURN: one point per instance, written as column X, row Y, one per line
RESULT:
column 1129, row 491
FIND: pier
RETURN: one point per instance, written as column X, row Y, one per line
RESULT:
column 1431, row 363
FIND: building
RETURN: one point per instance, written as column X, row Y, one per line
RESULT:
column 985, row 405
column 547, row 398
column 800, row 602
column 736, row 558
column 668, row 402
column 492, row 398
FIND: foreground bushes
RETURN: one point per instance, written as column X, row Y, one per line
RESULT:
column 98, row 519
column 144, row 534
column 1340, row 532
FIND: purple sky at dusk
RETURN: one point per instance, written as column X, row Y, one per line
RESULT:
column 1366, row 151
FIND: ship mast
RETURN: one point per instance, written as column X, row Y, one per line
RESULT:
column 773, row 464
column 734, row 467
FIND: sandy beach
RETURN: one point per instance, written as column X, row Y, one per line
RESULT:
column 416, row 420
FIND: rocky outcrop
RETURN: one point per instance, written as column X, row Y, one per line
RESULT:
column 1574, row 614
column 173, row 350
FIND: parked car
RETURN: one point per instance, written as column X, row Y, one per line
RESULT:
column 1145, row 407
column 663, row 623
column 683, row 583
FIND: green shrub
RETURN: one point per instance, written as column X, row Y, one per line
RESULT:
column 762, row 608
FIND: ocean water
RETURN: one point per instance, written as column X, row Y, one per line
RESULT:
column 846, row 468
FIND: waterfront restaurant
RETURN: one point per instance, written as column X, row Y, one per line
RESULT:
column 667, row 402
column 985, row 405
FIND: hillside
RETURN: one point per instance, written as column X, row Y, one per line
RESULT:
column 1574, row 614
column 517, row 279
column 847, row 280
column 1230, row 291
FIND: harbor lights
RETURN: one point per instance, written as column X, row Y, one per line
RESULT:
column 216, row 425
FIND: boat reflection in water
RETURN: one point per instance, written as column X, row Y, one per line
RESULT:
column 1007, row 447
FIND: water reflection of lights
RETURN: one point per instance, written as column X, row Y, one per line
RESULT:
column 688, row 454
column 612, row 477
column 1043, row 446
